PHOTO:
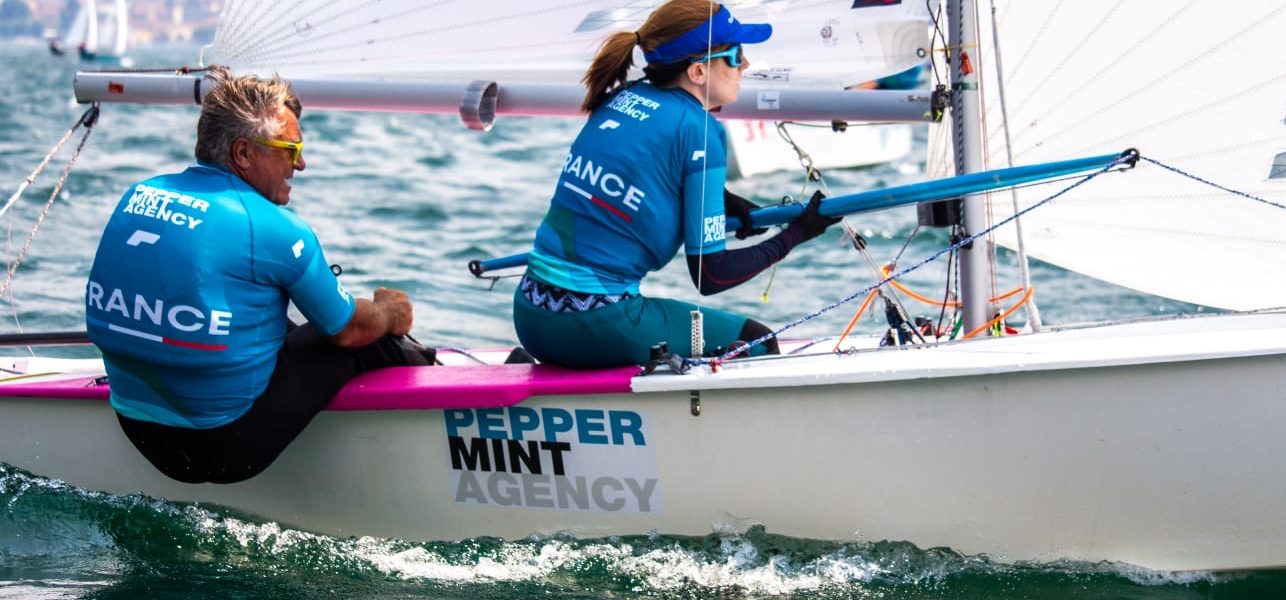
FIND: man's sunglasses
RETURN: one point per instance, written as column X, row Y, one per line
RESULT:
column 295, row 148
column 733, row 56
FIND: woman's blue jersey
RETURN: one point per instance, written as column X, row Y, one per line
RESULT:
column 644, row 175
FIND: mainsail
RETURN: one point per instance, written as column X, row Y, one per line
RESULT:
column 1196, row 85
column 825, row 44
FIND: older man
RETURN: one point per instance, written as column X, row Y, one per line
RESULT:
column 188, row 294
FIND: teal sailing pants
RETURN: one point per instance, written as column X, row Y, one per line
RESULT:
column 623, row 333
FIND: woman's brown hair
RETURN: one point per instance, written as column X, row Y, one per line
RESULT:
column 610, row 69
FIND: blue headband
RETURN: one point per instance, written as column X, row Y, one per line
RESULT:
column 726, row 30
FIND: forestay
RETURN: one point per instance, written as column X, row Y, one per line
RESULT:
column 1197, row 85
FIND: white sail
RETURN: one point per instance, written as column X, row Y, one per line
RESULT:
column 824, row 44
column 1197, row 85
column 120, row 28
column 90, row 43
column 78, row 29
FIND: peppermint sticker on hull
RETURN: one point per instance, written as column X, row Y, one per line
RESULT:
column 584, row 459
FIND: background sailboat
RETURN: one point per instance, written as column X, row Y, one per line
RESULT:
column 97, row 33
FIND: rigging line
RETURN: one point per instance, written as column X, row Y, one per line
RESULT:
column 13, row 299
column 1269, row 143
column 946, row 298
column 890, row 296
column 84, row 119
column 705, row 161
column 1024, row 269
column 1213, row 184
column 462, row 352
column 952, row 248
column 980, row 65
column 936, row 18
column 88, row 119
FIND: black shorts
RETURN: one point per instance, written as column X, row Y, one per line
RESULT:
column 310, row 371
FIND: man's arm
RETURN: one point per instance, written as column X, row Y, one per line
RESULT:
column 389, row 313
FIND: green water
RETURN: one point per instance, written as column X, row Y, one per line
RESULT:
column 407, row 201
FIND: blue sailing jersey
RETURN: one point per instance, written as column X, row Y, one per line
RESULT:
column 188, row 293
column 645, row 175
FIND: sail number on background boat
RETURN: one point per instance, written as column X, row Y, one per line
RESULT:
column 581, row 459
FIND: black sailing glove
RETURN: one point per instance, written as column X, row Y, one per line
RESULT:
column 736, row 206
column 812, row 224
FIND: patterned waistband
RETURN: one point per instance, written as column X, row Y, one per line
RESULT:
column 556, row 299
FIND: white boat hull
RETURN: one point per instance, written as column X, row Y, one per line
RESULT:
column 755, row 147
column 1002, row 447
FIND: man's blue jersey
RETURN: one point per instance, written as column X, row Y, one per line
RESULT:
column 188, row 294
column 645, row 175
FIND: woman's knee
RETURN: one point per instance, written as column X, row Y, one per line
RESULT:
column 753, row 330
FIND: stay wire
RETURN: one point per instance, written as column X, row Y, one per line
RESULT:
column 89, row 119
column 947, row 293
column 934, row 37
column 697, row 333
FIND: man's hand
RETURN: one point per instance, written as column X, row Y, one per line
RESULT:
column 396, row 304
column 389, row 313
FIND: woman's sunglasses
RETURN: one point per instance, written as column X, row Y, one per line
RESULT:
column 733, row 56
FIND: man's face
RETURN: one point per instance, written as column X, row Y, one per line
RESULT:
column 268, row 169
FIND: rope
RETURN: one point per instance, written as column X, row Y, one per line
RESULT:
column 89, row 119
column 956, row 246
column 1212, row 184
column 952, row 248
column 995, row 322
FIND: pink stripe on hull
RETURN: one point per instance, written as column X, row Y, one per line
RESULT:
column 411, row 388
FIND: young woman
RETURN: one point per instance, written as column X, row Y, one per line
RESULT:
column 645, row 175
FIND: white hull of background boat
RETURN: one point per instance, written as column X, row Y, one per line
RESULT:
column 1155, row 443
column 755, row 147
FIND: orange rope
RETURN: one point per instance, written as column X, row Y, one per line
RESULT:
column 929, row 301
column 856, row 316
column 1002, row 315
column 886, row 269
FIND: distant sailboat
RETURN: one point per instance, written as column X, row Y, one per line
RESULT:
column 96, row 36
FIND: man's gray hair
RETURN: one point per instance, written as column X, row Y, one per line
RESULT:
column 246, row 107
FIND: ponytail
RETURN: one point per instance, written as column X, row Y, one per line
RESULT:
column 611, row 67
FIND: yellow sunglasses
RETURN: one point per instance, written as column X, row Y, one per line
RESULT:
column 295, row 148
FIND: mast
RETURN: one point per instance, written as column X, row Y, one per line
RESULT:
column 966, row 116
